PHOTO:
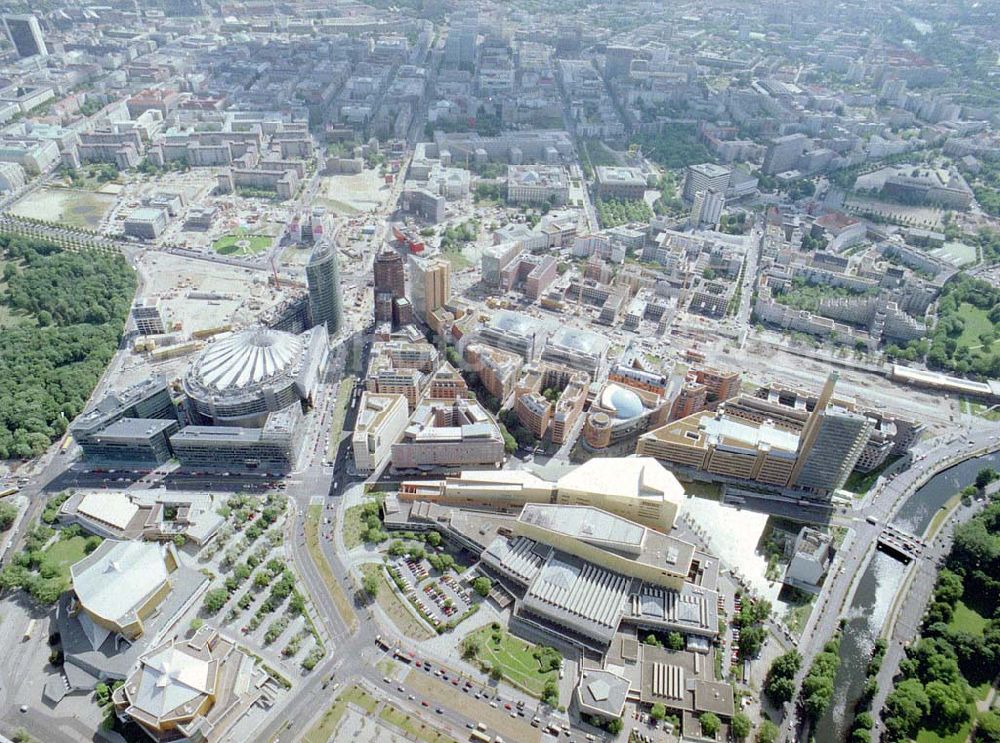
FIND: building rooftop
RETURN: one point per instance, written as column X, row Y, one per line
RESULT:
column 584, row 596
column 602, row 692
column 615, row 174
column 247, row 358
column 638, row 477
column 587, row 524
column 625, row 402
column 551, row 176
column 710, row 170
column 372, row 410
column 133, row 428
column 110, row 506
column 582, row 341
column 520, row 556
column 170, row 678
column 146, row 214
column 513, row 322
column 726, row 429
column 117, row 578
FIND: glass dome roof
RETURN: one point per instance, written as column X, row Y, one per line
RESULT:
column 626, row 403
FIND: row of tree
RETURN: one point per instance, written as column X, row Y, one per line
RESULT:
column 863, row 719
column 750, row 621
column 817, row 687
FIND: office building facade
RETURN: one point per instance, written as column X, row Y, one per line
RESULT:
column 707, row 208
column 323, row 280
column 26, row 35
column 705, row 177
column 430, row 285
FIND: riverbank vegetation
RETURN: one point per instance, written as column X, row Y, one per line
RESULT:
column 817, row 687
column 956, row 660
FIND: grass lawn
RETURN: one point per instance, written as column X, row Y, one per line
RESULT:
column 10, row 317
column 62, row 554
column 344, row 393
column 976, row 321
column 353, row 528
column 414, row 729
column 327, row 725
column 942, row 515
column 456, row 259
column 860, row 483
column 344, row 607
column 967, row 620
column 929, row 736
column 797, row 616
column 71, row 206
column 514, row 658
column 982, row 691
column 977, row 408
column 241, row 244
column 392, row 604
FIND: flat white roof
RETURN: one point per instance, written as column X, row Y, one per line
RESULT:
column 637, row 477
column 111, row 507
column 118, row 577
column 751, row 434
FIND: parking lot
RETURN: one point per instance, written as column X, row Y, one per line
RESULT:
column 440, row 599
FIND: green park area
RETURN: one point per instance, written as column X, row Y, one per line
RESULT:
column 949, row 671
column 516, row 661
column 360, row 522
column 241, row 244
column 42, row 568
column 960, row 735
column 968, row 620
column 63, row 314
column 61, row 555
column 965, row 337
column 976, row 322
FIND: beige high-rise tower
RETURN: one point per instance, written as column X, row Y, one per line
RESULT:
column 430, row 284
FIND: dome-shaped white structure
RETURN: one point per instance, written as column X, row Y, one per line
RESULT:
column 247, row 358
column 625, row 402
column 239, row 379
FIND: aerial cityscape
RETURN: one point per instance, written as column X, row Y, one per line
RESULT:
column 449, row 370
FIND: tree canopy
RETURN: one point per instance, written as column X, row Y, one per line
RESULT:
column 69, row 310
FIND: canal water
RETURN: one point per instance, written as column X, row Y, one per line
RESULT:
column 876, row 592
